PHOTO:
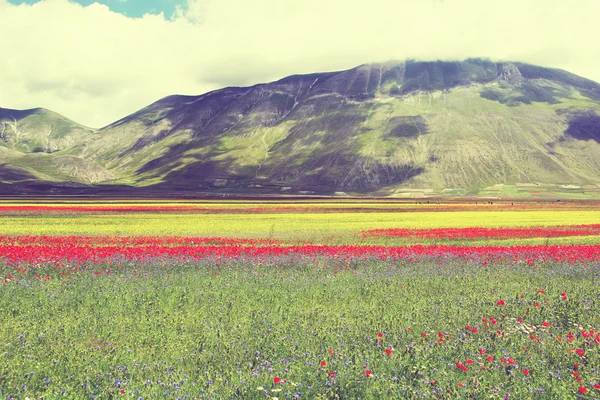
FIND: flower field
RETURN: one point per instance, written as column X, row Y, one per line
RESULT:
column 155, row 306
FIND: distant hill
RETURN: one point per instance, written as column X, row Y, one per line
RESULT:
column 31, row 142
column 399, row 128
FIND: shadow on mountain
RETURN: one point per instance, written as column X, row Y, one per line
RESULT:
column 407, row 127
column 171, row 160
column 338, row 167
column 327, row 169
column 584, row 126
column 207, row 174
column 12, row 173
column 360, row 175
column 6, row 113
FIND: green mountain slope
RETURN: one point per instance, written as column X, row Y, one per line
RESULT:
column 39, row 131
column 397, row 128
column 31, row 142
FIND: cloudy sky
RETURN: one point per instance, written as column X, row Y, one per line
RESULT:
column 97, row 61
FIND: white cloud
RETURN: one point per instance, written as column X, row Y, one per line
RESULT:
column 96, row 66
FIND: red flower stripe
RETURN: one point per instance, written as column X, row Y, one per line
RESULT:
column 157, row 209
column 84, row 208
column 16, row 255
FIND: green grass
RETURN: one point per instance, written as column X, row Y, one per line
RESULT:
column 212, row 331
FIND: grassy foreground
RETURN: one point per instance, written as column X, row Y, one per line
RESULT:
column 215, row 330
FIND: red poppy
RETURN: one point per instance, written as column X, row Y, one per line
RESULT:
column 575, row 373
column 323, row 364
column 501, row 302
column 461, row 366
column 331, row 374
column 520, row 320
column 122, row 391
column 597, row 386
column 368, row 373
column 579, row 352
column 481, row 351
column 575, row 366
column 276, row 379
column 541, row 291
column 389, row 352
column 582, row 390
column 380, row 335
column 423, row 334
column 526, row 372
column 489, row 358
column 546, row 324
column 469, row 361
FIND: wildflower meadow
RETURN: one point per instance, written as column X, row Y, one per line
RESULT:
column 299, row 301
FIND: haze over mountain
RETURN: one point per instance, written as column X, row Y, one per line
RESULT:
column 397, row 128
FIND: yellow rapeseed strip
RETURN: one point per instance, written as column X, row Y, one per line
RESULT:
column 284, row 225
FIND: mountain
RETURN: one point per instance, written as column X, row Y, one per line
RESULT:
column 397, row 128
column 31, row 142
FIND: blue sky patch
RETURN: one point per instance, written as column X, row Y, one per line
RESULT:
column 130, row 8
